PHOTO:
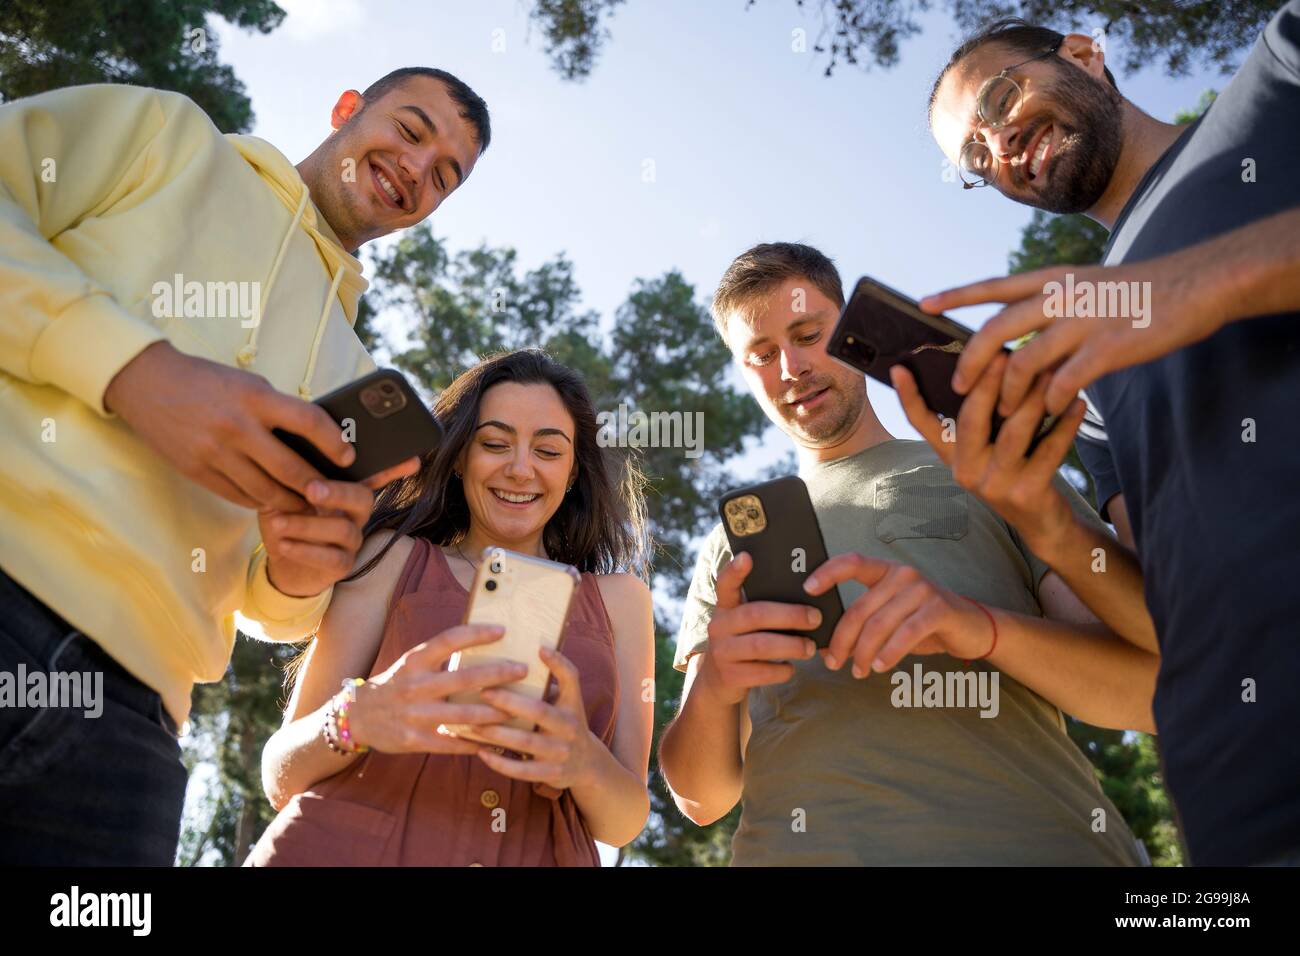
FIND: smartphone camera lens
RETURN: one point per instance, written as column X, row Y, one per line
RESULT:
column 495, row 567
column 490, row 585
column 863, row 353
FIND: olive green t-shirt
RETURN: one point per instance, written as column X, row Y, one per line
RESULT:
column 938, row 762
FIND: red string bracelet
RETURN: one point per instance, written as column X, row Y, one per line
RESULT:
column 995, row 630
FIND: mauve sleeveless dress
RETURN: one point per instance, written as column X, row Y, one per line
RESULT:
column 438, row 809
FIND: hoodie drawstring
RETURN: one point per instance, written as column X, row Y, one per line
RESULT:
column 304, row 389
column 248, row 353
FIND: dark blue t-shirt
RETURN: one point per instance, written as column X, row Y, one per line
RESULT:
column 1206, row 443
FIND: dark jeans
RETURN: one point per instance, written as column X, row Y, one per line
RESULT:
column 80, row 790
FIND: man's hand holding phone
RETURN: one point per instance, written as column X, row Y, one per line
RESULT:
column 309, row 551
column 997, row 470
column 744, row 649
column 213, row 424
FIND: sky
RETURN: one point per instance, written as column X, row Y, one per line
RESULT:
column 747, row 139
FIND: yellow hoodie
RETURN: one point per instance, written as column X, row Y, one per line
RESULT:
column 127, row 218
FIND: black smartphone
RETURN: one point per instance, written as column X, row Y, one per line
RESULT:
column 880, row 328
column 383, row 418
column 775, row 522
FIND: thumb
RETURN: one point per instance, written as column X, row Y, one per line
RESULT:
column 730, row 580
column 568, row 695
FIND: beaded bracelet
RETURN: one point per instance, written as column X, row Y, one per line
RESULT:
column 338, row 735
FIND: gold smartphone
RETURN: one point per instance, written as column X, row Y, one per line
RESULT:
column 530, row 598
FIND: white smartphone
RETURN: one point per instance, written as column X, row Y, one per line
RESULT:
column 530, row 598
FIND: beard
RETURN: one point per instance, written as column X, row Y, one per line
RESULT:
column 337, row 200
column 1086, row 145
column 830, row 423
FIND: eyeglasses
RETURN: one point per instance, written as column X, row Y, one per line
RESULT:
column 996, row 102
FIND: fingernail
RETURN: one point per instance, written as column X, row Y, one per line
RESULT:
column 832, row 663
column 958, row 382
column 810, row 584
column 316, row 491
column 814, row 616
column 857, row 671
column 279, row 524
column 349, row 455
column 878, row 665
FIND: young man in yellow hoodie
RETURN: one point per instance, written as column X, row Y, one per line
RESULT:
column 168, row 296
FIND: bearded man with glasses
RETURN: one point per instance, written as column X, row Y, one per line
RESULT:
column 1198, row 395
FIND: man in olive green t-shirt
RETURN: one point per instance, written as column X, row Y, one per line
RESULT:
column 931, row 730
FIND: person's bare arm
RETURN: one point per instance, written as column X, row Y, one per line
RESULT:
column 1020, row 487
column 1103, row 574
column 1118, row 511
column 296, row 756
column 1077, row 663
column 702, row 751
column 1251, row 271
column 1072, row 661
column 616, row 804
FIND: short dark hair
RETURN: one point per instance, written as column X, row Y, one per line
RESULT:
column 756, row 272
column 1017, row 35
column 472, row 107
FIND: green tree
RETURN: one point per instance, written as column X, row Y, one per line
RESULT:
column 868, row 33
column 231, row 721
column 160, row 43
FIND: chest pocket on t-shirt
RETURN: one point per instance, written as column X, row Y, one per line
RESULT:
column 924, row 503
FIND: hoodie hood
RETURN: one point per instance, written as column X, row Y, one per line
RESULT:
column 277, row 172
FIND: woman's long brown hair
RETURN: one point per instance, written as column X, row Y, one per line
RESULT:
column 600, row 527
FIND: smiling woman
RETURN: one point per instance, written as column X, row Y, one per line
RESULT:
column 369, row 775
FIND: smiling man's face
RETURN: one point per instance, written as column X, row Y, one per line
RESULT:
column 1061, row 145
column 408, row 150
column 781, row 349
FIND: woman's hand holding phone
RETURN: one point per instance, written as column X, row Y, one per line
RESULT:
column 402, row 709
column 744, row 649
column 561, row 751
